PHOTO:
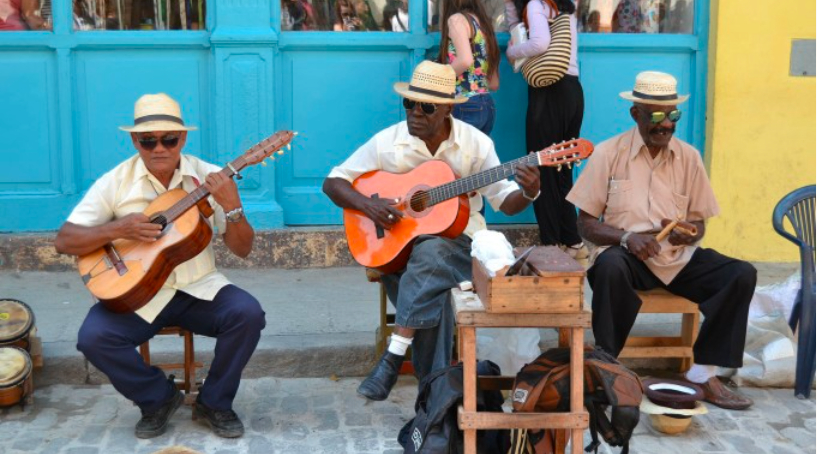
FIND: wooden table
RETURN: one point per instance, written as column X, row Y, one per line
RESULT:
column 470, row 315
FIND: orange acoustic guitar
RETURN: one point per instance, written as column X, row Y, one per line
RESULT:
column 434, row 202
column 125, row 274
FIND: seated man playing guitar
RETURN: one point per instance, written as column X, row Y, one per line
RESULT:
column 420, row 290
column 195, row 296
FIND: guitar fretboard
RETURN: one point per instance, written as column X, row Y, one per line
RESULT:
column 478, row 180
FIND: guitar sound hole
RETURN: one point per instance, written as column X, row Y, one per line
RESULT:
column 419, row 201
column 160, row 220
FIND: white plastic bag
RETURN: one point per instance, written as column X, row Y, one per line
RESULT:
column 493, row 250
column 509, row 348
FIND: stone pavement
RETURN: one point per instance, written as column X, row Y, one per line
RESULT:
column 315, row 415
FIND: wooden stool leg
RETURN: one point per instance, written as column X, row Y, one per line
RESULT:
column 689, row 333
column 469, row 383
column 144, row 350
column 382, row 334
column 189, row 359
column 577, row 384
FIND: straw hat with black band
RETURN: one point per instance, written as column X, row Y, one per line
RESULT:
column 157, row 112
column 432, row 83
column 656, row 88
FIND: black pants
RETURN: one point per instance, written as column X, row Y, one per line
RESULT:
column 721, row 286
column 555, row 115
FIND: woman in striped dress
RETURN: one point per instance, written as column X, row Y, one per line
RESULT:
column 554, row 114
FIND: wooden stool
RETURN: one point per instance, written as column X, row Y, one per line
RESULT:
column 386, row 326
column 189, row 385
column 660, row 301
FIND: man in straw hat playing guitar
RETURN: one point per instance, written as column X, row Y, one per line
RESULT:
column 195, row 296
column 641, row 182
column 424, row 319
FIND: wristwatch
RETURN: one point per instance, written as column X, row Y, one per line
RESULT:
column 623, row 242
column 531, row 198
column 234, row 215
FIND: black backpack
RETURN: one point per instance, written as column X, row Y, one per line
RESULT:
column 434, row 429
column 544, row 385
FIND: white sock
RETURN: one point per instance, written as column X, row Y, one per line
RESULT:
column 700, row 374
column 399, row 344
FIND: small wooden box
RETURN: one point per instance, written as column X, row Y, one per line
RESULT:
column 558, row 288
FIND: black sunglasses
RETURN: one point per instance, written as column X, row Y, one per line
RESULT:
column 428, row 108
column 168, row 141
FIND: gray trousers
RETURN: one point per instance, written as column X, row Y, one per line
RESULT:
column 421, row 295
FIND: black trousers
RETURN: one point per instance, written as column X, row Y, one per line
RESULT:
column 721, row 286
column 554, row 115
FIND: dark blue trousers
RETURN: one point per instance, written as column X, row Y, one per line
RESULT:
column 234, row 318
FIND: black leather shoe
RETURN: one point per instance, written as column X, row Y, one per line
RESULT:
column 225, row 423
column 382, row 378
column 154, row 423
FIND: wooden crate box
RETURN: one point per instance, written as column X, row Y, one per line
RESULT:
column 557, row 288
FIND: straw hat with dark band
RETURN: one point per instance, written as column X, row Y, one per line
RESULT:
column 157, row 112
column 656, row 88
column 433, row 83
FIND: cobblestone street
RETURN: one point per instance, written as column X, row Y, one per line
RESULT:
column 311, row 415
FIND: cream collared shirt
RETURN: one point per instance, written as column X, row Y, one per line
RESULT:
column 129, row 188
column 467, row 150
column 629, row 190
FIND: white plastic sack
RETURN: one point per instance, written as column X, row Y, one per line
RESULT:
column 770, row 355
column 509, row 348
column 493, row 250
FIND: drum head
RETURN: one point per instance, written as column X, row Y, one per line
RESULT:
column 16, row 319
column 15, row 364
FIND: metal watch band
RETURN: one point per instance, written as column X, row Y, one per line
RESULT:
column 538, row 193
column 623, row 242
column 234, row 215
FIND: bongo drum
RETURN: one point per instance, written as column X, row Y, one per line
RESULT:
column 16, row 323
column 16, row 384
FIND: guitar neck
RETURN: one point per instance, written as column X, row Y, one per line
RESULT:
column 471, row 183
column 195, row 196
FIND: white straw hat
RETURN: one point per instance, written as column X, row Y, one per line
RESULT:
column 157, row 112
column 433, row 83
column 657, row 88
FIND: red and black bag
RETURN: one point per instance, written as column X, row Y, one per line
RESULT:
column 544, row 386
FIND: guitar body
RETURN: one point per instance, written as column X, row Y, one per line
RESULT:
column 146, row 265
column 391, row 252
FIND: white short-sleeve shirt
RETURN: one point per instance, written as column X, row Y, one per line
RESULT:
column 467, row 150
column 129, row 188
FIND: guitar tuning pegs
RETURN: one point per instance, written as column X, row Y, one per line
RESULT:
column 569, row 166
column 559, row 168
column 280, row 152
column 263, row 163
column 272, row 158
column 294, row 133
column 578, row 163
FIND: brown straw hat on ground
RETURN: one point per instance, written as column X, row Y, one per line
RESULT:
column 433, row 83
column 656, row 88
column 157, row 112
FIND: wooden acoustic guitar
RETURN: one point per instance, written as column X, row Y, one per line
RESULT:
column 434, row 201
column 124, row 275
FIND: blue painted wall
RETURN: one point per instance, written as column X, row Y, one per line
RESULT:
column 65, row 93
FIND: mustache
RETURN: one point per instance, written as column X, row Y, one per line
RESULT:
column 661, row 130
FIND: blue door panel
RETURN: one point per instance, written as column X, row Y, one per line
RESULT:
column 336, row 101
column 27, row 123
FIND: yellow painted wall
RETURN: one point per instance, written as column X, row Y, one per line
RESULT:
column 761, row 123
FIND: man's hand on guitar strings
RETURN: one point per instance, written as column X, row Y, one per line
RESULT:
column 136, row 226
column 382, row 212
column 527, row 176
column 224, row 191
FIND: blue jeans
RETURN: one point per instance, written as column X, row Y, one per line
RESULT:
column 478, row 112
column 421, row 295
column 234, row 318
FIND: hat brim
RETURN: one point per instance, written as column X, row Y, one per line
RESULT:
column 402, row 89
column 151, row 126
column 648, row 407
column 628, row 95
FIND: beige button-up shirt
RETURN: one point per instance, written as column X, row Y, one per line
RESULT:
column 129, row 188
column 629, row 190
column 467, row 151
